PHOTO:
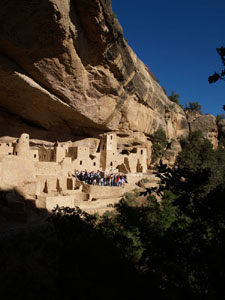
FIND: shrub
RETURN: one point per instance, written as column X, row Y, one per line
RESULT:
column 193, row 107
column 174, row 97
column 159, row 144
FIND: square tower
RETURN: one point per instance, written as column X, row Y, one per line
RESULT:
column 108, row 151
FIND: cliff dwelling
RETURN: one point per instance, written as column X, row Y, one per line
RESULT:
column 46, row 175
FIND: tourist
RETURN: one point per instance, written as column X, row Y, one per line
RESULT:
column 100, row 179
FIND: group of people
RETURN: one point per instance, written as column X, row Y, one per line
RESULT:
column 100, row 178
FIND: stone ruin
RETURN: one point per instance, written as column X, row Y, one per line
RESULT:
column 44, row 175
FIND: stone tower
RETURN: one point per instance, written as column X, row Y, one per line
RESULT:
column 22, row 146
column 108, row 152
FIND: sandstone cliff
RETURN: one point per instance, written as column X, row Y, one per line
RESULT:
column 206, row 124
column 66, row 70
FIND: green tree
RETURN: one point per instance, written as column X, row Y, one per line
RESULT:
column 197, row 232
column 159, row 144
column 198, row 155
column 193, row 107
column 197, row 152
column 220, row 117
column 174, row 97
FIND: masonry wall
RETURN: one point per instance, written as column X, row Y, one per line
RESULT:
column 50, row 185
column 72, row 152
column 22, row 146
column 14, row 171
column 34, row 155
column 52, row 202
column 46, row 154
column 109, row 154
column 102, row 192
column 6, row 149
column 47, row 168
column 85, row 161
column 60, row 151
column 103, row 153
column 142, row 158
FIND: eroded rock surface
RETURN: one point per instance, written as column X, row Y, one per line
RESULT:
column 206, row 124
column 66, row 71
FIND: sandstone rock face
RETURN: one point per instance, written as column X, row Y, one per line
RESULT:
column 67, row 71
column 171, row 153
column 206, row 124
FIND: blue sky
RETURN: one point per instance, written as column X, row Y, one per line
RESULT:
column 177, row 39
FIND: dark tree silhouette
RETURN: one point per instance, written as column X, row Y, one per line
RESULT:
column 174, row 97
column 216, row 76
column 193, row 106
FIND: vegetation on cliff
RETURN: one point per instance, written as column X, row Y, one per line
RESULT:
column 159, row 144
column 193, row 107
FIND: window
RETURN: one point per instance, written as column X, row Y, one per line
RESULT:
column 141, row 151
column 111, row 137
column 10, row 153
column 94, row 164
column 111, row 163
column 81, row 162
column 35, row 155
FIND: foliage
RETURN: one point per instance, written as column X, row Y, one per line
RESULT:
column 159, row 144
column 114, row 15
column 220, row 117
column 196, row 152
column 216, row 76
column 193, row 107
column 174, row 97
column 198, row 230
column 197, row 155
